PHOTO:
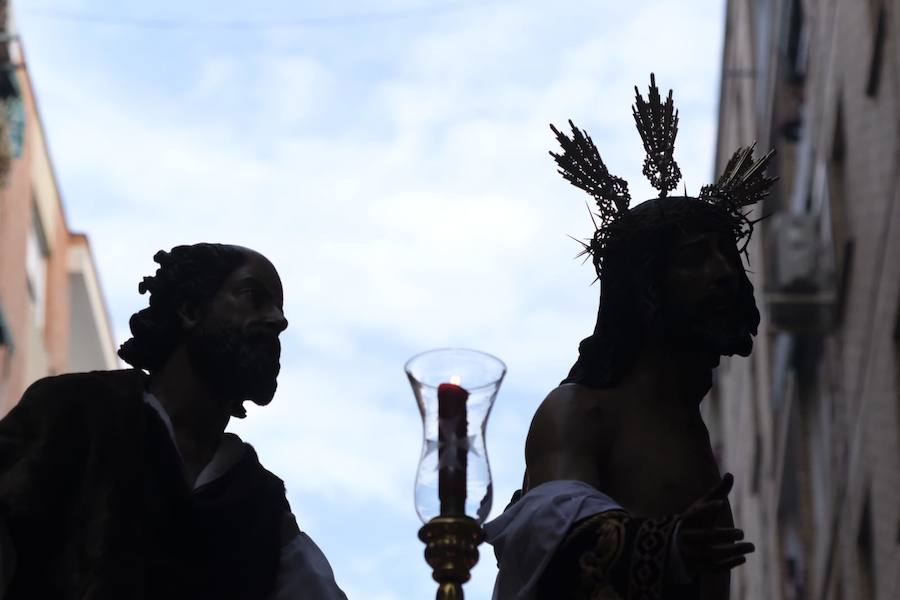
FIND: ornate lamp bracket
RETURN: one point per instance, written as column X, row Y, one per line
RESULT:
column 451, row 549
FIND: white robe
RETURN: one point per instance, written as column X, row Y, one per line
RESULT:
column 527, row 535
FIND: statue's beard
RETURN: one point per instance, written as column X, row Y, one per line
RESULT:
column 706, row 330
column 237, row 366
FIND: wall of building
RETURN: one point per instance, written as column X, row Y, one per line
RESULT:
column 810, row 424
column 91, row 344
column 45, row 269
column 15, row 223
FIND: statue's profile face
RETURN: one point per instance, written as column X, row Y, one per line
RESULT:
column 705, row 295
column 235, row 344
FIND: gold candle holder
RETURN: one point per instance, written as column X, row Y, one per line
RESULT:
column 451, row 550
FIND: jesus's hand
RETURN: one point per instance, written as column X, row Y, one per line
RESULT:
column 702, row 545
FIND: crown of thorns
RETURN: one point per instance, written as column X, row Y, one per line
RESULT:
column 742, row 184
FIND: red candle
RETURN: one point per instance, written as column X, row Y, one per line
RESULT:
column 452, row 449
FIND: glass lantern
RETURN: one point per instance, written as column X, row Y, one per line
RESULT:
column 455, row 390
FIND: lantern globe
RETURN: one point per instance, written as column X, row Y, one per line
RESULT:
column 443, row 450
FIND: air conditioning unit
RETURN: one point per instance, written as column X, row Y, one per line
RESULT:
column 799, row 293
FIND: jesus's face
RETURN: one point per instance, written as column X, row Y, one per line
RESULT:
column 703, row 287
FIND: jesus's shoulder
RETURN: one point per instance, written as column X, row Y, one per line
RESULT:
column 577, row 410
column 571, row 430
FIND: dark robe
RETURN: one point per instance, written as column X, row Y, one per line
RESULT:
column 92, row 491
column 613, row 556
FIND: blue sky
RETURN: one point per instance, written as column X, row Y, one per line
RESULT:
column 390, row 158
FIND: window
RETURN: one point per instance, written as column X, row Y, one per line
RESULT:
column 897, row 382
column 897, row 326
column 12, row 110
column 841, row 242
column 793, row 585
column 762, row 41
column 796, row 44
column 878, row 39
column 5, row 334
column 36, row 268
column 865, row 559
column 757, row 463
column 839, row 587
column 6, row 348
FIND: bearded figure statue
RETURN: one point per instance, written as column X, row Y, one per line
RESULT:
column 125, row 484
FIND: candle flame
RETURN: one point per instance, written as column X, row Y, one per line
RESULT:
column 455, row 379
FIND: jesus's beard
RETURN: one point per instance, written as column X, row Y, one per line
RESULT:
column 237, row 366
column 717, row 333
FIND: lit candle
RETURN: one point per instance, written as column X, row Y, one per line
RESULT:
column 452, row 447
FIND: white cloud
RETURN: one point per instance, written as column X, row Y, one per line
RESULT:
column 413, row 208
column 302, row 85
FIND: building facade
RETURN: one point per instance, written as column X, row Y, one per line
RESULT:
column 810, row 423
column 52, row 314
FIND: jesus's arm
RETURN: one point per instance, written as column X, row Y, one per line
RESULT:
column 613, row 552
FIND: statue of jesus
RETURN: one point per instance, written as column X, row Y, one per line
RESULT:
column 622, row 496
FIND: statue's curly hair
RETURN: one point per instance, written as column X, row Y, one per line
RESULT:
column 631, row 302
column 187, row 275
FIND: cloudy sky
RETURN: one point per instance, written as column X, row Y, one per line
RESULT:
column 390, row 158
